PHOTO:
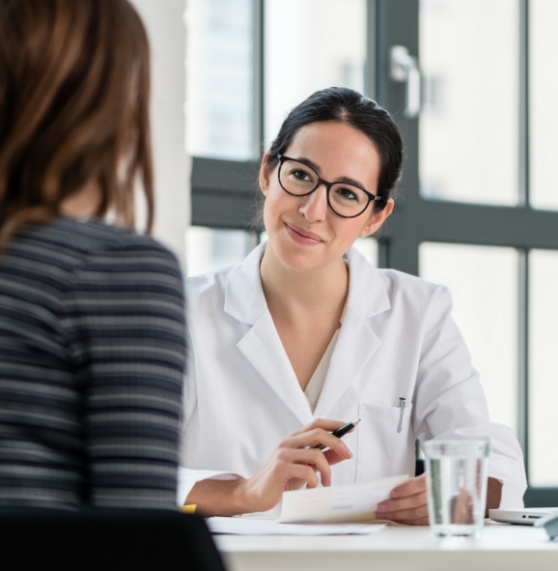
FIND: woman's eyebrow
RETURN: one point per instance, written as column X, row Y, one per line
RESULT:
column 348, row 180
column 345, row 179
column 309, row 163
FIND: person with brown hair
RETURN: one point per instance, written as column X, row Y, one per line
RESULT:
column 92, row 330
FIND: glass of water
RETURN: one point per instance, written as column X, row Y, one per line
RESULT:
column 456, row 481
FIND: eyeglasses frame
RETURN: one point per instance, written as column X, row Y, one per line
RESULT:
column 328, row 185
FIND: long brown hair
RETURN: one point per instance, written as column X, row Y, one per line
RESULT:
column 74, row 109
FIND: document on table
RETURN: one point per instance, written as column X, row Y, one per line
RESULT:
column 252, row 526
column 336, row 504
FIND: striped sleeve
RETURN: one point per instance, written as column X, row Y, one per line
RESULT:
column 126, row 329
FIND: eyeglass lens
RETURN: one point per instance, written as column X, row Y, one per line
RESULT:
column 345, row 199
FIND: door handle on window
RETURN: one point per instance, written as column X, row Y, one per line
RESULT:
column 404, row 68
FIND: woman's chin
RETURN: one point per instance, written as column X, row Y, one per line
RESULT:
column 296, row 257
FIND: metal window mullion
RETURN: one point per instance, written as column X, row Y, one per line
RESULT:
column 397, row 23
column 258, row 85
column 523, row 150
column 523, row 357
column 371, row 43
column 524, row 194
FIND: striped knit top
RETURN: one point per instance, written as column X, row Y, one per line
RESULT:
column 92, row 357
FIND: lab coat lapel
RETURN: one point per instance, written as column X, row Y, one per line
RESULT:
column 261, row 345
column 357, row 341
column 264, row 350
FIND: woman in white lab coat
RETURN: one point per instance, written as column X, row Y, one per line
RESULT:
column 306, row 335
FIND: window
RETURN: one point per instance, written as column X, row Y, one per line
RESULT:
column 219, row 94
column 478, row 201
column 484, row 288
column 249, row 62
column 469, row 126
column 210, row 249
column 543, row 369
column 543, row 94
column 310, row 45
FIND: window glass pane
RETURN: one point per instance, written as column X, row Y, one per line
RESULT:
column 469, row 56
column 310, row 45
column 219, row 71
column 543, row 368
column 543, row 97
column 483, row 282
column 209, row 249
column 368, row 247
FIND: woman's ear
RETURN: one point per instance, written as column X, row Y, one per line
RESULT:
column 377, row 219
column 265, row 174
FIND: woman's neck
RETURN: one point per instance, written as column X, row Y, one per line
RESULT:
column 296, row 293
column 82, row 204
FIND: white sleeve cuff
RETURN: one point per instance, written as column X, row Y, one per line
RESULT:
column 512, row 475
column 187, row 479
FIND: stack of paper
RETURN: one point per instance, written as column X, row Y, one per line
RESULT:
column 340, row 510
column 252, row 526
column 349, row 503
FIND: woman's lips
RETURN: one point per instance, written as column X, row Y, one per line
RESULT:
column 302, row 237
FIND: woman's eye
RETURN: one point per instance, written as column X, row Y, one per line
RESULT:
column 347, row 194
column 301, row 175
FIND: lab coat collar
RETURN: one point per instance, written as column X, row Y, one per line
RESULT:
column 368, row 294
column 357, row 341
column 244, row 296
column 262, row 347
column 245, row 300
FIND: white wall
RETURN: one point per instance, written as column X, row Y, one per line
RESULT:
column 164, row 20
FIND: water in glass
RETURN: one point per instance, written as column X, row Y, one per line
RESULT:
column 456, row 482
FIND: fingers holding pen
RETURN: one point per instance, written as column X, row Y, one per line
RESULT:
column 324, row 434
column 323, row 423
column 310, row 458
column 300, row 459
column 320, row 439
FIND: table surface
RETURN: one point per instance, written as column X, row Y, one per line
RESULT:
column 505, row 547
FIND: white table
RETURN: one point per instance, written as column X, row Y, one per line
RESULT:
column 501, row 547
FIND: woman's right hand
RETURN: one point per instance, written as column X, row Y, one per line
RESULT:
column 294, row 463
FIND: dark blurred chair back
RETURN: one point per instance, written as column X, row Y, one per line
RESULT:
column 95, row 540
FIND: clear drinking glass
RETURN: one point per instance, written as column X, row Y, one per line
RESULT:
column 456, row 483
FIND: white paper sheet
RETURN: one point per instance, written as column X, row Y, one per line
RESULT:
column 252, row 526
column 349, row 503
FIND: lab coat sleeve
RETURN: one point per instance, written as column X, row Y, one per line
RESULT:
column 188, row 478
column 450, row 402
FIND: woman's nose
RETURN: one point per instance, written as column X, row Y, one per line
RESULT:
column 314, row 207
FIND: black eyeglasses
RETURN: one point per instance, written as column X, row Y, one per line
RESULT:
column 345, row 199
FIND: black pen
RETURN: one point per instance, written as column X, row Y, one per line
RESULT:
column 340, row 432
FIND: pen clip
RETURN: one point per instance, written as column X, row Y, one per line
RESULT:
column 402, row 404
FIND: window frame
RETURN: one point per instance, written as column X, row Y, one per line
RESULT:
column 420, row 220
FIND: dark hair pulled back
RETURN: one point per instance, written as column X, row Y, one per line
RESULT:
column 348, row 106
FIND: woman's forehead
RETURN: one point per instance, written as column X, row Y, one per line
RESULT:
column 334, row 147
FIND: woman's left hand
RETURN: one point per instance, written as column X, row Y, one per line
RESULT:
column 407, row 504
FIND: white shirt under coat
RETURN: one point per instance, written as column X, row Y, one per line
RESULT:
column 397, row 340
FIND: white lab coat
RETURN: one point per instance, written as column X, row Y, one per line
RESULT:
column 397, row 340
